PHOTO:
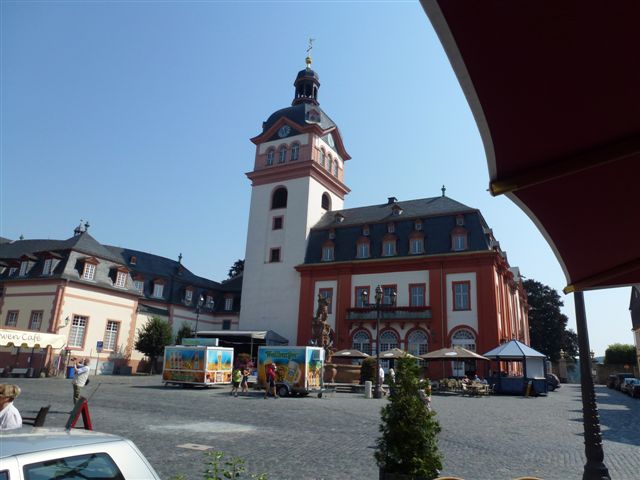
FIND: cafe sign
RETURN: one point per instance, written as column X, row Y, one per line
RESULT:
column 22, row 338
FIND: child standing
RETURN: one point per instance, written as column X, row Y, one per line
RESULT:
column 236, row 375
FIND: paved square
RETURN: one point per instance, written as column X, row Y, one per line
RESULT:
column 333, row 437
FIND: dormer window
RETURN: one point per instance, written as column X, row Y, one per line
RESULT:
column 270, row 154
column 228, row 304
column 460, row 220
column 365, row 231
column 418, row 225
column 138, row 285
column 339, row 218
column 396, row 210
column 328, row 253
column 416, row 245
column 121, row 279
column 12, row 270
column 210, row 302
column 46, row 268
column 23, row 268
column 188, row 295
column 158, row 288
column 295, row 151
column 89, row 271
column 388, row 248
column 332, row 234
column 282, row 154
column 133, row 260
column 363, row 248
column 459, row 242
column 391, row 227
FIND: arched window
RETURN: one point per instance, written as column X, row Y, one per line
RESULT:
column 326, row 201
column 418, row 343
column 362, row 342
column 295, row 151
column 322, row 160
column 388, row 340
column 464, row 339
column 330, row 164
column 270, row 154
column 282, row 154
column 279, row 198
column 335, row 168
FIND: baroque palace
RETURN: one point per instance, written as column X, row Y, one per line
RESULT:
column 444, row 278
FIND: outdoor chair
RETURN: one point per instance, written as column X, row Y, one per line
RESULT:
column 38, row 420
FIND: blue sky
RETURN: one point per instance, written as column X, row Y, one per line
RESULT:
column 137, row 116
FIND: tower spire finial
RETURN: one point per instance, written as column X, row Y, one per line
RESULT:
column 444, row 189
column 309, row 48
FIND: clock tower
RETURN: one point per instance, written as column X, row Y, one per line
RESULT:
column 298, row 175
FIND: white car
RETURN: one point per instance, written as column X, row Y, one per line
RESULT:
column 53, row 453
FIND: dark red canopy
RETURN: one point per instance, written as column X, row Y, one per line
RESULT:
column 555, row 90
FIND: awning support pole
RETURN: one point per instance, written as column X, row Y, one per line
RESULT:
column 594, row 469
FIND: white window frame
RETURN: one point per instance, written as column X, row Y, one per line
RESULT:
column 391, row 227
column 363, row 250
column 322, row 158
column 270, row 155
column 46, row 268
column 418, row 343
column 362, row 341
column 417, row 293
column 417, row 245
column 78, row 331
column 38, row 323
column 188, row 296
column 335, row 168
column 385, row 343
column 138, row 285
column 158, row 290
column 327, row 254
column 121, row 280
column 295, row 152
column 282, row 154
column 12, row 270
column 111, row 335
column 459, row 242
column 228, row 304
column 23, row 268
column 388, row 248
column 89, row 271
column 12, row 318
column 462, row 298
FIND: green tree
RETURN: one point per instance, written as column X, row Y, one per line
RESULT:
column 409, row 444
column 236, row 269
column 185, row 332
column 620, row 354
column 152, row 338
column 547, row 325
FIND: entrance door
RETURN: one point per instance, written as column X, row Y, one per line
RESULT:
column 464, row 339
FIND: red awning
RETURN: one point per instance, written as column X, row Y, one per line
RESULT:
column 555, row 91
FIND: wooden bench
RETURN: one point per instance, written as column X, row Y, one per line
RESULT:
column 19, row 372
column 38, row 420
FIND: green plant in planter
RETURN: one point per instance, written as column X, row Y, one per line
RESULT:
column 368, row 370
column 408, row 447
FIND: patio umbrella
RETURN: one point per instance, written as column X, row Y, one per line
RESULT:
column 395, row 353
column 553, row 87
column 453, row 353
column 350, row 354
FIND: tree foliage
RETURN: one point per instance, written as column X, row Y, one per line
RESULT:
column 152, row 338
column 620, row 354
column 236, row 269
column 408, row 444
column 185, row 332
column 547, row 325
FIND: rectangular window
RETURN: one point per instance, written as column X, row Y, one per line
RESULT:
column 417, row 245
column 387, row 294
column 188, row 296
column 36, row 320
column 46, row 268
column 327, row 293
column 327, row 254
column 121, row 279
column 89, row 271
column 226, row 324
column 23, row 268
column 138, row 285
column 274, row 255
column 78, row 329
column 363, row 250
column 459, row 242
column 277, row 223
column 416, row 295
column 210, row 301
column 461, row 292
column 228, row 304
column 111, row 335
column 359, row 301
column 12, row 270
column 12, row 318
column 158, row 288
column 389, row 248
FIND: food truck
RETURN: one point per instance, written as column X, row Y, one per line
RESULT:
column 197, row 365
column 298, row 369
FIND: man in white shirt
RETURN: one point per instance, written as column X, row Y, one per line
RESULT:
column 80, row 377
column 9, row 416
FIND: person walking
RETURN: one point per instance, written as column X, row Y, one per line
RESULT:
column 236, row 375
column 80, row 378
column 270, row 373
column 10, row 417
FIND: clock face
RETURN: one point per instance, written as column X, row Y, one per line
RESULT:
column 284, row 131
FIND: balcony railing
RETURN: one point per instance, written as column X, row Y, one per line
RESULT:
column 389, row 313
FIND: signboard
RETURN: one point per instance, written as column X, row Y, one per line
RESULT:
column 30, row 339
column 99, row 346
column 209, row 342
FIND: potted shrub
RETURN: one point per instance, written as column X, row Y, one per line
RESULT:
column 408, row 446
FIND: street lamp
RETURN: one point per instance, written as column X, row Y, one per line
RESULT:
column 198, row 307
column 379, row 297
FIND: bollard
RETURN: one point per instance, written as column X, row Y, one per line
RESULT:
column 367, row 389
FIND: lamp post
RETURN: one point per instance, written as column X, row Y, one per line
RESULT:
column 379, row 297
column 198, row 307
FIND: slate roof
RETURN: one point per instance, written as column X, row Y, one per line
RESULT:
column 297, row 114
column 438, row 216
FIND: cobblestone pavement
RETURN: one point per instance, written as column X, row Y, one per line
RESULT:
column 333, row 437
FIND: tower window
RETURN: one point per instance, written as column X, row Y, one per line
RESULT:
column 335, row 168
column 277, row 223
column 270, row 155
column 322, row 160
column 274, row 255
column 326, row 201
column 295, row 152
column 282, row 154
column 330, row 164
column 279, row 199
